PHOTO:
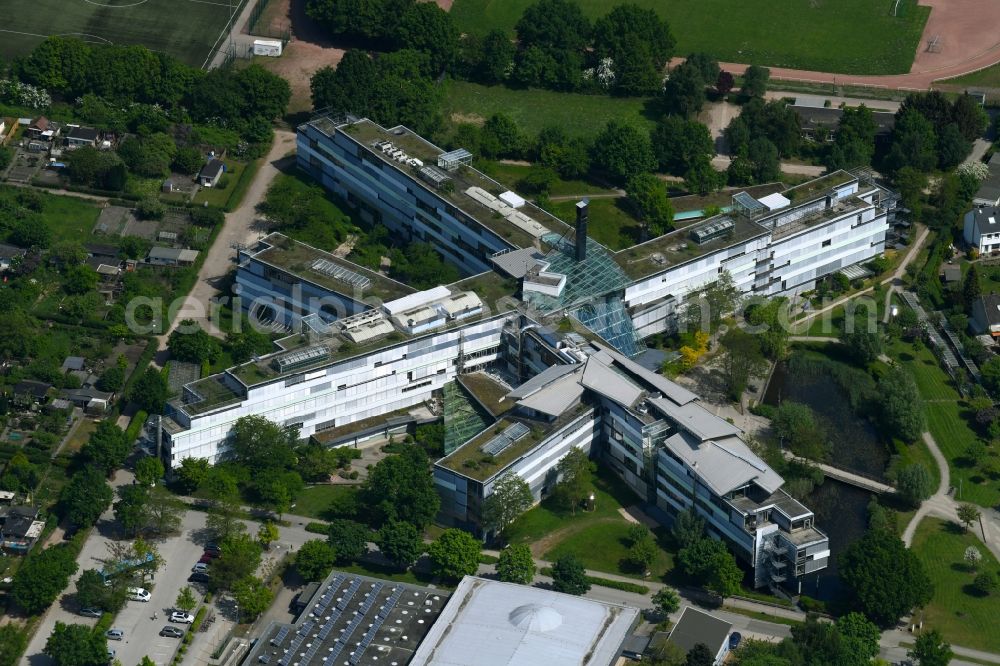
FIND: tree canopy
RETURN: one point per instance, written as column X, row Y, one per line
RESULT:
column 42, row 577
column 455, row 554
column 885, row 577
column 400, row 487
column 76, row 645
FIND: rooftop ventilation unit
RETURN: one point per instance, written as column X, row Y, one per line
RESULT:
column 501, row 442
column 301, row 358
column 713, row 230
column 338, row 272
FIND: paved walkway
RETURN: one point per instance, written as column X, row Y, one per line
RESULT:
column 893, row 280
column 845, row 476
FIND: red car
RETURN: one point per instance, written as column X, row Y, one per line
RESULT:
column 205, row 559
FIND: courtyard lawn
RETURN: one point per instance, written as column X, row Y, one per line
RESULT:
column 316, row 501
column 597, row 537
column 511, row 174
column 963, row 617
column 610, row 223
column 581, row 115
column 848, row 36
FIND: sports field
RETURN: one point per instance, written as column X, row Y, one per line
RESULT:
column 186, row 29
column 842, row 36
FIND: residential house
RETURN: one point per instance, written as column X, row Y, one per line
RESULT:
column 211, row 173
column 986, row 315
column 988, row 193
column 92, row 400
column 169, row 256
column 73, row 363
column 19, row 529
column 82, row 136
column 817, row 121
column 981, row 229
column 43, row 130
column 696, row 626
column 28, row 393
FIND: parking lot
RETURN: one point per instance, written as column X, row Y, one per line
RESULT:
column 141, row 631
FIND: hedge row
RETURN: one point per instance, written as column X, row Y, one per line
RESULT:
column 317, row 528
column 635, row 588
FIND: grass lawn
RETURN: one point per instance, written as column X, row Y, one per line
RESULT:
column 582, row 115
column 220, row 196
column 315, row 501
column 596, row 537
column 69, row 218
column 610, row 224
column 187, row 31
column 848, row 36
column 963, row 617
column 986, row 78
column 948, row 421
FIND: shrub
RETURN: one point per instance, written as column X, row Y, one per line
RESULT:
column 317, row 528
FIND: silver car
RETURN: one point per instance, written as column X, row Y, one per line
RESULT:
column 115, row 635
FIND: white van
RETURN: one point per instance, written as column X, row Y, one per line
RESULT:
column 138, row 594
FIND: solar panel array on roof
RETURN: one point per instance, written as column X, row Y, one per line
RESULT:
column 340, row 273
column 301, row 358
column 712, row 230
column 511, row 434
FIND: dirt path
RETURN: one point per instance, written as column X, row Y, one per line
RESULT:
column 968, row 39
column 239, row 228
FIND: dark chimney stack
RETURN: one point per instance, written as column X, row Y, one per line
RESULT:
column 581, row 230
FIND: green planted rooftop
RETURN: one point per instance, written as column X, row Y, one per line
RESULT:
column 814, row 188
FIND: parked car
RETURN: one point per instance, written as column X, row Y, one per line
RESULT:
column 734, row 640
column 91, row 612
column 181, row 617
column 205, row 559
column 115, row 634
column 198, row 577
column 211, row 554
column 138, row 594
column 201, row 567
column 213, row 547
column 171, row 632
column 111, row 655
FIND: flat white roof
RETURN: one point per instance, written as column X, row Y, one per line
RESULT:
column 412, row 301
column 775, row 201
column 488, row 623
column 512, row 199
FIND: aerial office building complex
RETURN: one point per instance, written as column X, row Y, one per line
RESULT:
column 539, row 351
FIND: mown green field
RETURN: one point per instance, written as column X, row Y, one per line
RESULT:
column 964, row 617
column 186, row 29
column 846, row 36
column 581, row 115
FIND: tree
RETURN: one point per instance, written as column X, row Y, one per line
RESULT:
column 267, row 534
column 914, row 484
column 224, row 520
column 952, row 147
column 239, row 558
column 724, row 575
column 622, row 151
column 854, row 143
column 516, row 565
column 859, row 637
column 569, row 576
column 971, row 289
column 688, row 528
column 149, row 392
column 191, row 474
column 76, row 645
column 931, row 650
column 400, row 487
column 246, row 344
column 163, row 512
column 724, row 82
column 796, row 426
column 970, row 118
column 509, row 498
column 968, row 514
column 642, row 550
column 91, row 592
column 85, row 497
column 107, row 447
column 252, row 597
column 639, row 44
column 186, row 600
column 986, row 583
column 755, row 80
column 743, row 359
column 914, row 143
column 497, row 61
column 400, row 543
column 315, row 559
column 575, row 485
column 501, row 137
column 193, row 346
column 700, row 655
column 568, row 156
column 428, row 28
column 900, row 409
column 455, row 554
column 684, row 91
column 349, row 539
column 262, row 446
column 972, row 556
column 701, row 177
column 149, row 470
column 556, row 25
column 863, row 346
column 130, row 509
column 887, row 579
column 112, row 379
column 666, row 600
column 42, row 577
column 13, row 642
column 650, row 201
column 188, row 160
column 764, row 158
